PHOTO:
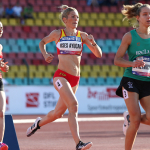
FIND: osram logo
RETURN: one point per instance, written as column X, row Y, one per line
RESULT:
column 32, row 100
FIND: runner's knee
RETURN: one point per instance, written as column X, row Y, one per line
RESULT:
column 136, row 122
column 73, row 108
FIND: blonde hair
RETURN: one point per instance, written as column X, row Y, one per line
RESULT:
column 65, row 11
column 131, row 11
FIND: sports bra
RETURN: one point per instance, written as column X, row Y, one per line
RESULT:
column 71, row 45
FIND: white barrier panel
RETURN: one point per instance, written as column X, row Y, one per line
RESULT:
column 30, row 99
column 95, row 99
column 42, row 99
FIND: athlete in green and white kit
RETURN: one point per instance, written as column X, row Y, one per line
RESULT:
column 135, row 84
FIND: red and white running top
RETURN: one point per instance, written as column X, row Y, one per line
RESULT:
column 71, row 45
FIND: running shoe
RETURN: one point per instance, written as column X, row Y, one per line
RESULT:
column 126, row 121
column 83, row 146
column 3, row 146
column 31, row 130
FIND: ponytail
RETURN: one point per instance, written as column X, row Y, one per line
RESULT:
column 131, row 11
column 65, row 11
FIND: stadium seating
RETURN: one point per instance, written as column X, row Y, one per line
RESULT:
column 91, row 81
column 21, row 74
column 45, row 81
column 101, row 81
column 83, row 81
column 110, row 81
column 10, row 81
column 18, row 81
column 118, row 80
column 36, row 81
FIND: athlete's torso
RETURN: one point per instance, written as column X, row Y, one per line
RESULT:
column 139, row 47
column 71, row 45
column 69, row 50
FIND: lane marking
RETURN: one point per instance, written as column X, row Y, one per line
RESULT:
column 79, row 119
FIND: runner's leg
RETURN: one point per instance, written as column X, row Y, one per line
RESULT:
column 66, row 92
column 2, row 114
column 131, row 100
column 145, row 103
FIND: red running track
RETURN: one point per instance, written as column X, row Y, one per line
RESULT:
column 105, row 135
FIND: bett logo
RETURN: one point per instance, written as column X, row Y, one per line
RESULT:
column 32, row 100
column 102, row 95
column 111, row 92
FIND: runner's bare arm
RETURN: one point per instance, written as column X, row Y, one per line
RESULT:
column 53, row 36
column 91, row 44
column 119, row 61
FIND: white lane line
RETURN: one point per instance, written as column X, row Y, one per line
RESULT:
column 79, row 119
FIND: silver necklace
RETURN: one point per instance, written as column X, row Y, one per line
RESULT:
column 71, row 34
column 143, row 33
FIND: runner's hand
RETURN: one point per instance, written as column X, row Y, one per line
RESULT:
column 91, row 39
column 4, row 67
column 1, row 63
column 138, row 63
column 48, row 57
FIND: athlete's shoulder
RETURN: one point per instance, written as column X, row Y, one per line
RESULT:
column 127, row 37
column 56, row 32
column 128, row 34
column 83, row 35
column 55, row 35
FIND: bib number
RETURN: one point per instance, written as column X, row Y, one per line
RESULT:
column 142, row 71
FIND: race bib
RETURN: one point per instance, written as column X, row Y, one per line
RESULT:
column 142, row 71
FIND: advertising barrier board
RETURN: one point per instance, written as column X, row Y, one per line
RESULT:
column 42, row 99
